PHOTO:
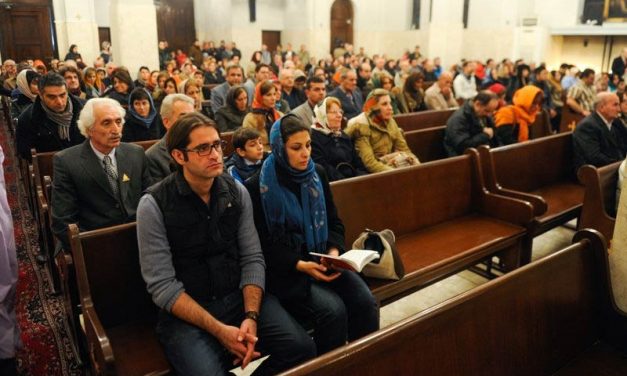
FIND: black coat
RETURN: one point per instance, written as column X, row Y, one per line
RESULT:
column 618, row 66
column 135, row 130
column 464, row 130
column 35, row 130
column 282, row 278
column 336, row 155
column 595, row 144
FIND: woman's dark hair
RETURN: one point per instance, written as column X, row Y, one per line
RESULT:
column 291, row 124
column 170, row 79
column 266, row 86
column 252, row 58
column 232, row 95
column 410, row 82
column 139, row 94
column 178, row 135
column 124, row 76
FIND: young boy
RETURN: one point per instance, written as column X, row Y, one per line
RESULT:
column 247, row 159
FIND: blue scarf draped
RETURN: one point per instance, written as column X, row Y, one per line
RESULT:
column 147, row 121
column 304, row 221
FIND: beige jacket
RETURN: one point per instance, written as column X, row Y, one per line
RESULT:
column 373, row 141
column 436, row 101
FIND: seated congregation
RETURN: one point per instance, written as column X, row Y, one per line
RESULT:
column 227, row 178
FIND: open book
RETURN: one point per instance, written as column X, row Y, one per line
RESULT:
column 354, row 260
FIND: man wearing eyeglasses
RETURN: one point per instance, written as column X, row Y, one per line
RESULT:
column 202, row 263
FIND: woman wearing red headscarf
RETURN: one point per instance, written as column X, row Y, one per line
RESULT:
column 378, row 139
column 263, row 114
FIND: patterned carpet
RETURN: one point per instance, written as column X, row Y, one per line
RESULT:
column 41, row 316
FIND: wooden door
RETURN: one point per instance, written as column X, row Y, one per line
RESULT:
column 176, row 23
column 271, row 39
column 341, row 22
column 104, row 35
column 26, row 32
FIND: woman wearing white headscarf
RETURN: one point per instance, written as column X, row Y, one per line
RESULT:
column 330, row 146
column 26, row 91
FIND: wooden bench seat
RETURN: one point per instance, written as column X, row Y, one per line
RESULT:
column 443, row 218
column 427, row 144
column 442, row 250
column 540, row 172
column 423, row 119
column 599, row 203
column 547, row 318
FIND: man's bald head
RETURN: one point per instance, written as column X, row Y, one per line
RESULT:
column 607, row 105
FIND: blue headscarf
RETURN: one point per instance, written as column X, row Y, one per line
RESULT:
column 147, row 121
column 284, row 214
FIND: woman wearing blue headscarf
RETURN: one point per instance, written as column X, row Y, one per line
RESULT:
column 141, row 122
column 295, row 215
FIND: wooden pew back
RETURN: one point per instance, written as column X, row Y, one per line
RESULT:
column 407, row 199
column 423, row 119
column 530, row 165
column 228, row 137
column 427, row 144
column 119, row 314
column 598, row 210
column 532, row 321
column 541, row 127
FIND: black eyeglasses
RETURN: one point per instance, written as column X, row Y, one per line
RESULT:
column 204, row 150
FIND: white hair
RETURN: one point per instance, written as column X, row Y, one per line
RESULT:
column 168, row 103
column 87, row 118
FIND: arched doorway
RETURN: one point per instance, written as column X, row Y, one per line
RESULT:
column 341, row 22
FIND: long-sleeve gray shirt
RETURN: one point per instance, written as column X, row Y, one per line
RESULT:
column 156, row 259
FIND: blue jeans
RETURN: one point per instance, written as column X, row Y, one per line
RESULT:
column 341, row 310
column 193, row 351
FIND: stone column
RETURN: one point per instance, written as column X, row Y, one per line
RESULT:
column 446, row 31
column 134, row 34
column 75, row 23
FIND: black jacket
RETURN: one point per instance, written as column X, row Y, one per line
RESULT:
column 618, row 66
column 282, row 278
column 135, row 130
column 35, row 130
column 595, row 144
column 464, row 130
column 336, row 155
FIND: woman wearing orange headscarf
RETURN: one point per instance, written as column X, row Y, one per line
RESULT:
column 513, row 121
column 263, row 114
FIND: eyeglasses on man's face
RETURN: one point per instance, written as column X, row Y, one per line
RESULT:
column 204, row 150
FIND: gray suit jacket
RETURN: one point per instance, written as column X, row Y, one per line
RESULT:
column 305, row 113
column 81, row 192
column 158, row 161
column 218, row 96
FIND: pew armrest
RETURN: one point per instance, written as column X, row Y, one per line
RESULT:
column 98, row 345
column 538, row 203
column 508, row 208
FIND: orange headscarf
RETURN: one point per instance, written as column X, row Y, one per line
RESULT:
column 258, row 103
column 520, row 111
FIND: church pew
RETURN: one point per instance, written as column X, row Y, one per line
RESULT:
column 541, row 127
column 118, row 312
column 540, row 172
column 427, row 144
column 228, row 137
column 546, row 318
column 570, row 118
column 599, row 200
column 444, row 219
column 423, row 119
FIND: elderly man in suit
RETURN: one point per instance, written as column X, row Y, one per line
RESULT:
column 315, row 90
column 348, row 94
column 159, row 160
column 98, row 183
column 234, row 76
column 600, row 138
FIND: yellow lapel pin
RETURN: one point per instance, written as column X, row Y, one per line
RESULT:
column 125, row 178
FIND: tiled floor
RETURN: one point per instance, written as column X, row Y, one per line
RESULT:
column 437, row 293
